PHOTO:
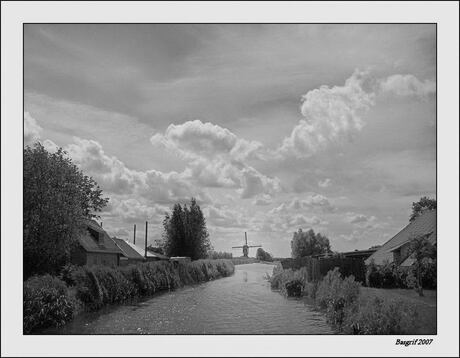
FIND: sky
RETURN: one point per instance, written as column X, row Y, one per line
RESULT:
column 272, row 128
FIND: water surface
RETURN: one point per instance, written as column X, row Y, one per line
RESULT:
column 240, row 304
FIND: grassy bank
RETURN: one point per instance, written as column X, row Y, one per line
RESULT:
column 351, row 308
column 52, row 301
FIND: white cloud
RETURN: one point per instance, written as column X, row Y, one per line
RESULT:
column 407, row 85
column 217, row 157
column 332, row 115
column 299, row 220
column 195, row 138
column 114, row 177
column 312, row 201
column 263, row 200
column 254, row 183
column 31, row 129
column 224, row 217
column 324, row 183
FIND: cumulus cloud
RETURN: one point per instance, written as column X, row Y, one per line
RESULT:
column 109, row 172
column 324, row 183
column 331, row 115
column 217, row 157
column 299, row 220
column 195, row 138
column 334, row 115
column 254, row 183
column 312, row 201
column 114, row 177
column 263, row 200
column 361, row 220
column 224, row 217
column 31, row 129
column 131, row 210
column 407, row 85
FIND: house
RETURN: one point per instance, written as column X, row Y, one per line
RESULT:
column 135, row 254
column 397, row 248
column 131, row 255
column 96, row 247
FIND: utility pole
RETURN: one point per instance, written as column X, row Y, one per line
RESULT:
column 134, row 234
column 146, row 226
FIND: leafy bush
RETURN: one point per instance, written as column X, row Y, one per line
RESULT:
column 293, row 288
column 46, row 303
column 344, row 305
column 49, row 302
column 336, row 294
column 378, row 316
column 391, row 275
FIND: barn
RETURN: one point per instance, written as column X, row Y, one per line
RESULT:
column 397, row 248
column 96, row 247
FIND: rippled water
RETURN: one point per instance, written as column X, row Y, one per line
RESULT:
column 240, row 304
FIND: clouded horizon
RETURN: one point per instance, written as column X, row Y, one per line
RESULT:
column 271, row 127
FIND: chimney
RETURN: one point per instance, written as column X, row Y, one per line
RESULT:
column 146, row 226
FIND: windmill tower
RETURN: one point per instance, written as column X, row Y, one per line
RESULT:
column 245, row 247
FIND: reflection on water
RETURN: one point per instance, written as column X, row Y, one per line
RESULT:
column 240, row 304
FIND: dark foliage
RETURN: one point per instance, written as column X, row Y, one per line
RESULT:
column 57, row 198
column 307, row 243
column 421, row 206
column 263, row 255
column 185, row 232
column 47, row 302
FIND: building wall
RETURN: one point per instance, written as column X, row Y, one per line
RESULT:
column 105, row 259
column 78, row 256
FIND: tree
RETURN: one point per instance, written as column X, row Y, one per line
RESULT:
column 263, row 255
column 422, row 250
column 419, row 207
column 185, row 232
column 214, row 255
column 307, row 243
column 58, row 197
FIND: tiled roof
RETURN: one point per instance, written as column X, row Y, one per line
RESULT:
column 105, row 244
column 129, row 252
column 422, row 225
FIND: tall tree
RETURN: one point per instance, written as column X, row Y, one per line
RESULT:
column 419, row 207
column 307, row 243
column 57, row 199
column 185, row 232
column 263, row 255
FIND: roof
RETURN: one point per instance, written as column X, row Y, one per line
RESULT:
column 141, row 251
column 105, row 244
column 423, row 225
column 128, row 251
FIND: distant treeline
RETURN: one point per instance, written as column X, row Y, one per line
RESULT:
column 213, row 255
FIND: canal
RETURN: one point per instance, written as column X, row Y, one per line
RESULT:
column 240, row 304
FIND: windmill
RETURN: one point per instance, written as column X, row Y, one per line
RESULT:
column 245, row 247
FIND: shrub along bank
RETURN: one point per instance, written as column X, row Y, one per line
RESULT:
column 51, row 301
column 346, row 309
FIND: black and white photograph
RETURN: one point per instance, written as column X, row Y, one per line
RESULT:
column 189, row 178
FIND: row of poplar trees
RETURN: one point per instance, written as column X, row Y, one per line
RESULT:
column 185, row 232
